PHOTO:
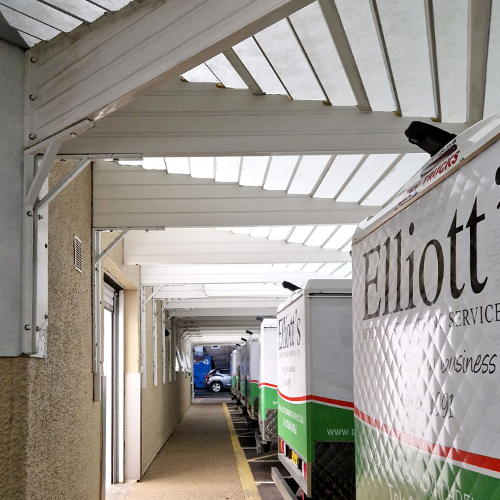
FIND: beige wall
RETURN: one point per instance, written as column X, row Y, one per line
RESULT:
column 163, row 405
column 13, row 427
column 50, row 427
column 64, row 423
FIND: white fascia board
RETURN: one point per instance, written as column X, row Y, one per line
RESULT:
column 132, row 197
column 263, row 311
column 224, row 303
column 193, row 119
column 99, row 67
column 154, row 275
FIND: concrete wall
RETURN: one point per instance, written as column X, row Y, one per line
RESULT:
column 163, row 405
column 64, row 423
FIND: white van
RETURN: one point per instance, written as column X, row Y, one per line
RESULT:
column 426, row 294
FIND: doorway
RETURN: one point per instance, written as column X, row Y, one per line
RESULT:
column 113, row 383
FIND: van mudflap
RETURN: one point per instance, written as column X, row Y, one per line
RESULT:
column 271, row 427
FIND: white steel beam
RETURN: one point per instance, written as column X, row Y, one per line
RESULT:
column 477, row 56
column 98, row 68
column 339, row 36
column 243, row 72
column 199, row 119
column 225, row 304
column 208, row 246
column 173, row 275
column 130, row 197
column 263, row 311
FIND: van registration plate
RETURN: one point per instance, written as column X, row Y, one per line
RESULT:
column 295, row 459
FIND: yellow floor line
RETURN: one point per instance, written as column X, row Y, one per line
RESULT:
column 247, row 481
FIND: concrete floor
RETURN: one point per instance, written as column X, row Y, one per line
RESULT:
column 197, row 462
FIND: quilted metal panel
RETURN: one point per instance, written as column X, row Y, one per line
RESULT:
column 334, row 472
column 271, row 426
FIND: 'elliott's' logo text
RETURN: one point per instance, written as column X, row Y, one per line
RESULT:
column 374, row 300
column 289, row 331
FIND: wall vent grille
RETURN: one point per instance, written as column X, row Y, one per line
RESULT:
column 78, row 254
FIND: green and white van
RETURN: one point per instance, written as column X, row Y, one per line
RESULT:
column 315, row 389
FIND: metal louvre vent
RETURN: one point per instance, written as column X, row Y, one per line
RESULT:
column 78, row 254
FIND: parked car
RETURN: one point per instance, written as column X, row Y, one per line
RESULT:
column 216, row 380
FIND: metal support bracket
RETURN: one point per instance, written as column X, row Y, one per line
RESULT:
column 35, row 241
column 110, row 247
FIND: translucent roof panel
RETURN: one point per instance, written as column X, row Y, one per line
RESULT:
column 286, row 56
column 312, row 267
column 300, row 234
column 337, row 175
column 253, row 170
column 405, row 31
column 311, row 27
column 154, row 164
column 341, row 236
column 280, row 172
column 177, row 165
column 227, row 168
column 320, row 235
column 492, row 95
column 225, row 72
column 344, row 271
column 253, row 59
column 451, row 50
column 366, row 176
column 307, row 174
column 202, row 167
column 396, row 179
column 28, row 25
column 30, row 40
column 45, row 13
column 329, row 267
column 242, row 230
column 113, row 4
column 84, row 10
column 359, row 26
column 200, row 74
column 260, row 232
column 296, row 266
column 279, row 232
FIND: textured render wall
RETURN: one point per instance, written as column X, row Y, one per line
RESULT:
column 163, row 405
column 13, row 371
column 64, row 424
